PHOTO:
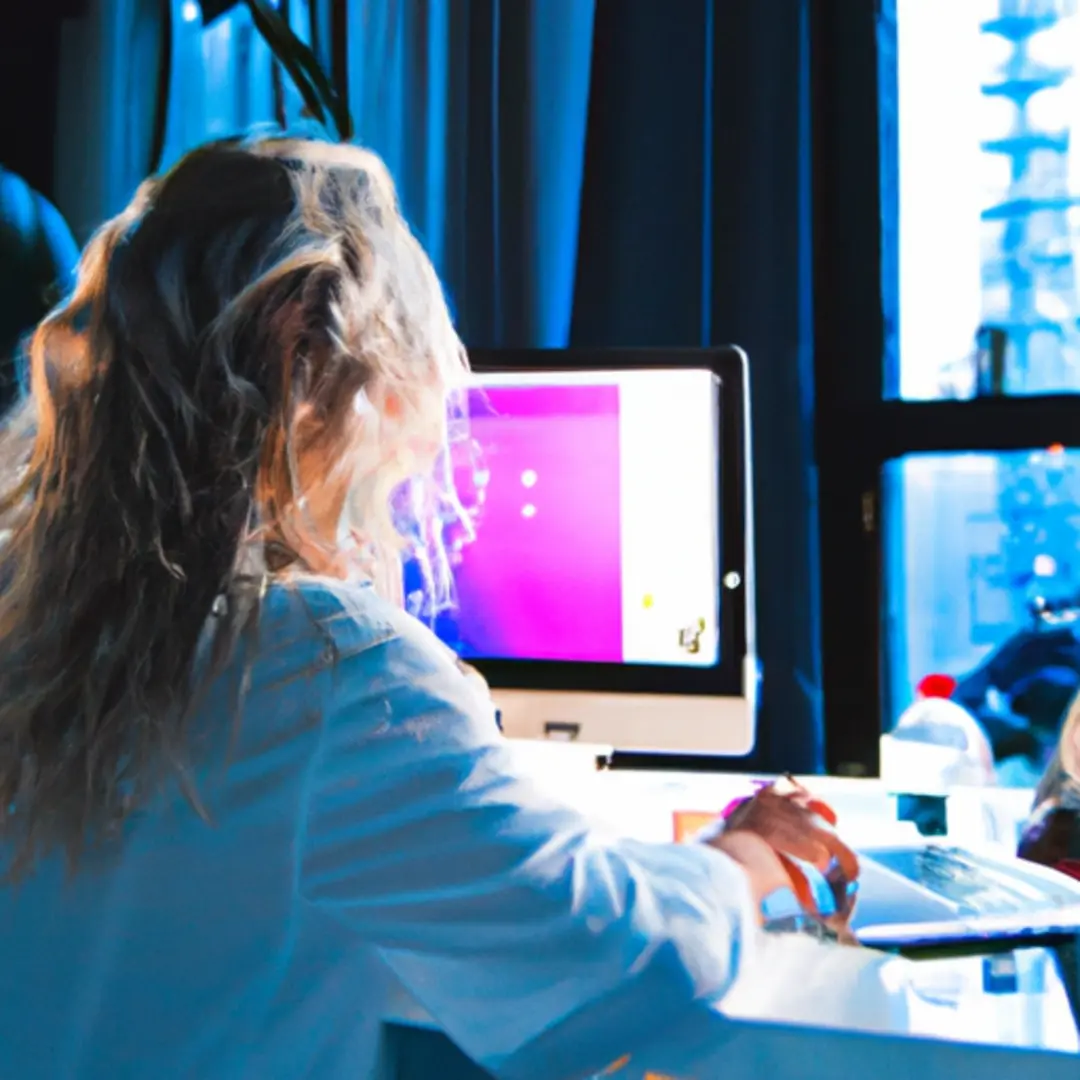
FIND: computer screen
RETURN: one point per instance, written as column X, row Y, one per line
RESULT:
column 593, row 503
column 595, row 553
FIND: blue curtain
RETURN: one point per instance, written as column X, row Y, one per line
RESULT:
column 111, row 61
column 479, row 108
column 223, row 80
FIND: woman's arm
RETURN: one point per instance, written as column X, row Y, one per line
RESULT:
column 542, row 944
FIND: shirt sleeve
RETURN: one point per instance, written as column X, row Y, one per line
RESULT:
column 543, row 944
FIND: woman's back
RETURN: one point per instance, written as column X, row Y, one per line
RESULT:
column 186, row 944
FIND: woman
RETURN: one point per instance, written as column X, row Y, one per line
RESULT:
column 246, row 795
column 1051, row 835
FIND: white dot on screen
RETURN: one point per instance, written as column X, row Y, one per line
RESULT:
column 190, row 12
column 528, row 478
column 528, row 510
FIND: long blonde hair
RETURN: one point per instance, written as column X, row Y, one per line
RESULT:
column 1061, row 781
column 260, row 306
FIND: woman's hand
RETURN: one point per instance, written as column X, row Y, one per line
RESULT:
column 763, row 867
column 792, row 825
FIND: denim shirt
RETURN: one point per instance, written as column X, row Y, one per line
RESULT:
column 370, row 830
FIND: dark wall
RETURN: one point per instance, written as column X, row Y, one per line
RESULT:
column 29, row 78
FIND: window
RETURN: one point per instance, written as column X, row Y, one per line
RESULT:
column 982, row 583
column 988, row 103
column 947, row 416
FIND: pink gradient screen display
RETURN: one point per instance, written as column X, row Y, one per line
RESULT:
column 542, row 578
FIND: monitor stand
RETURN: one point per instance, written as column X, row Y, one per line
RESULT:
column 664, row 723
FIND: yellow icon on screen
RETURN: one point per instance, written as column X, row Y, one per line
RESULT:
column 647, row 601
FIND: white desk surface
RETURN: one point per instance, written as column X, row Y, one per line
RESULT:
column 752, row 1050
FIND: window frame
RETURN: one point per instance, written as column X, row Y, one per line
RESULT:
column 860, row 423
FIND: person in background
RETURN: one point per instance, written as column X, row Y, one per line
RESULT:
column 1020, row 694
column 244, row 797
column 1051, row 835
column 38, row 256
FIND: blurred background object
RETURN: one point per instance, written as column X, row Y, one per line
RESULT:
column 936, row 744
column 1052, row 834
column 38, row 255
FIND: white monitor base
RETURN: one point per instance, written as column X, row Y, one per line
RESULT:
column 669, row 723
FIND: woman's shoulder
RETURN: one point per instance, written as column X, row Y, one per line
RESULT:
column 313, row 625
column 343, row 617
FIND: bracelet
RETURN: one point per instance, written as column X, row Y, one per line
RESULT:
column 781, row 913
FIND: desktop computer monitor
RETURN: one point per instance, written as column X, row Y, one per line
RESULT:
column 603, row 583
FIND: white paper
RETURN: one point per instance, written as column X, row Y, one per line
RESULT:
column 796, row 979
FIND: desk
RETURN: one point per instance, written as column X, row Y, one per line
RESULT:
column 712, row 1047
column 752, row 1051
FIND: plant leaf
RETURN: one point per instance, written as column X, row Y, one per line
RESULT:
column 321, row 99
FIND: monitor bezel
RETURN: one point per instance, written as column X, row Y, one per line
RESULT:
column 725, row 678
